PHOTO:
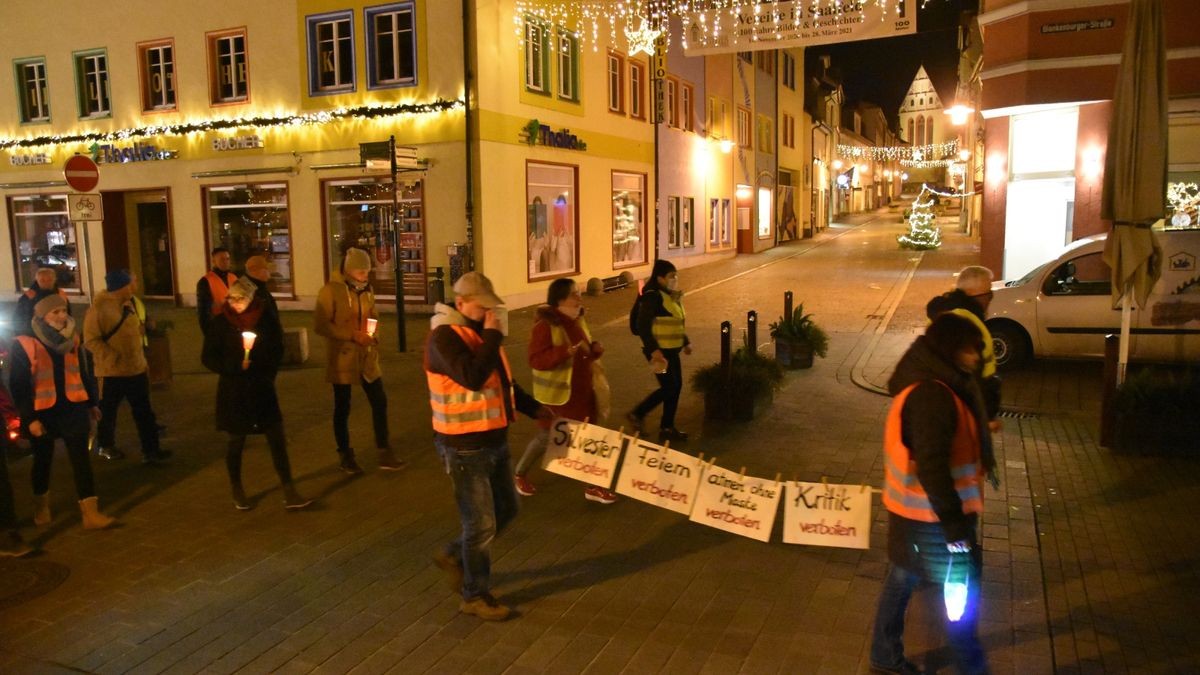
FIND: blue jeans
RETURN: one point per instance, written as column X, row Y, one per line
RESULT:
column 887, row 644
column 487, row 502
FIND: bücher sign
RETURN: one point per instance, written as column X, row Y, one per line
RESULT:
column 660, row 476
column 820, row 514
column 735, row 503
column 585, row 452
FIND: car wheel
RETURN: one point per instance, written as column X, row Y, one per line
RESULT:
column 1010, row 344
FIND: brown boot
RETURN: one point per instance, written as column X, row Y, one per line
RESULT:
column 41, row 510
column 92, row 518
column 388, row 461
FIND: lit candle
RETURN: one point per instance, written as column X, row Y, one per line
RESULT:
column 371, row 325
column 954, row 589
column 248, row 338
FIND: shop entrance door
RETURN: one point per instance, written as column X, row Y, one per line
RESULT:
column 137, row 236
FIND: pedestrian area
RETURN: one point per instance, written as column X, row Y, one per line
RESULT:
column 1090, row 558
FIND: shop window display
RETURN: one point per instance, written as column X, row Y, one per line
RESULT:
column 44, row 237
column 552, row 219
column 358, row 215
column 629, row 219
column 253, row 220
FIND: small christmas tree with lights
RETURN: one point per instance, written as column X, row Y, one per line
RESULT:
column 922, row 234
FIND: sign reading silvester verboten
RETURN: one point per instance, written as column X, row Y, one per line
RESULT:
column 779, row 25
column 585, row 452
column 735, row 503
column 819, row 514
column 660, row 476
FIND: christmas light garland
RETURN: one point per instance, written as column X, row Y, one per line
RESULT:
column 887, row 153
column 643, row 21
column 927, row 163
column 322, row 117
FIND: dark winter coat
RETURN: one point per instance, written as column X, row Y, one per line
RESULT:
column 246, row 399
column 928, row 422
column 650, row 305
column 65, row 417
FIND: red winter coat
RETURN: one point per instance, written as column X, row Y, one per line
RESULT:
column 545, row 355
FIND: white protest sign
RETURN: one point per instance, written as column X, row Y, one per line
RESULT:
column 739, row 504
column 818, row 514
column 660, row 476
column 587, row 453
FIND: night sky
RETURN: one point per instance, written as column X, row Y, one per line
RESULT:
column 880, row 71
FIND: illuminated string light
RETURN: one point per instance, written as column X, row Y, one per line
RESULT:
column 887, row 153
column 702, row 18
column 261, row 122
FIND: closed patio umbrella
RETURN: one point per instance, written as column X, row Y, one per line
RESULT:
column 1135, row 167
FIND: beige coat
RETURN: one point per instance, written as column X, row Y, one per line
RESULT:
column 121, row 355
column 338, row 314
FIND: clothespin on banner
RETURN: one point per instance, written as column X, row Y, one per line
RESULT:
column 778, row 475
column 861, row 488
column 621, row 431
column 742, row 473
column 824, row 480
column 585, row 423
column 700, row 459
column 666, row 447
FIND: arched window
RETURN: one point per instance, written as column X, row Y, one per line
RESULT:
column 910, row 130
column 920, row 139
column 929, row 130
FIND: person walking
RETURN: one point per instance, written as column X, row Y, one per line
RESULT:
column 344, row 314
column 12, row 544
column 55, row 394
column 112, row 332
column 970, row 299
column 660, row 325
column 473, row 397
column 45, row 282
column 937, row 450
column 246, row 399
column 561, row 353
column 212, row 287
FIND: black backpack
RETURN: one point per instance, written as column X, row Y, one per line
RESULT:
column 633, row 314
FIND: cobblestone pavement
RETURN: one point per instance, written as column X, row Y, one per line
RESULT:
column 1086, row 569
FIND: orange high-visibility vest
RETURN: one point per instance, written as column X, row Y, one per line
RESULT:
column 219, row 288
column 458, row 410
column 42, row 371
column 902, row 492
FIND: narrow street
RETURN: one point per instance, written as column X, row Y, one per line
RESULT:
column 189, row 585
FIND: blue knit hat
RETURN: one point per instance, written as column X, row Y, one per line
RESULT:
column 117, row 279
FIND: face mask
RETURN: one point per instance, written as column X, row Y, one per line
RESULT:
column 673, row 284
column 570, row 312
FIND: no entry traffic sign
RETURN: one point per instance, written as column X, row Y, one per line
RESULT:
column 81, row 173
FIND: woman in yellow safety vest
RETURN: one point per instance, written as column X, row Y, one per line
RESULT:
column 55, row 394
column 561, row 352
column 660, row 325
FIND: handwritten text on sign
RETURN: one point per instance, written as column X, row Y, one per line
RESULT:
column 817, row 514
column 739, row 504
column 586, row 453
column 660, row 476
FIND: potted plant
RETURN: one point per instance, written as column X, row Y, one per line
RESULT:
column 742, row 390
column 797, row 340
column 1154, row 412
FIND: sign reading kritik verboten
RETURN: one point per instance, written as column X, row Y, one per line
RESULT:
column 819, row 514
column 794, row 24
column 660, row 476
column 585, row 452
column 739, row 504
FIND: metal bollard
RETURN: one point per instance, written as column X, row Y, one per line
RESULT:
column 437, row 287
column 726, row 361
column 752, row 331
column 787, row 306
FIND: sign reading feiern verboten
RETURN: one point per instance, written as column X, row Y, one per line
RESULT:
column 781, row 25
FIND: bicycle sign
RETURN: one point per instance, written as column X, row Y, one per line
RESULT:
column 85, row 206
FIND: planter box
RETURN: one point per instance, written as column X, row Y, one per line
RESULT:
column 721, row 405
column 793, row 355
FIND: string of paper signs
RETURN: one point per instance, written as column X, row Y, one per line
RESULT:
column 816, row 514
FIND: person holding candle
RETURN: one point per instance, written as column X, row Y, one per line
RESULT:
column 561, row 353
column 244, row 345
column 344, row 314
column 936, row 448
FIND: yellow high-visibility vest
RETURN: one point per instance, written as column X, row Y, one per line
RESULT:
column 553, row 387
column 668, row 330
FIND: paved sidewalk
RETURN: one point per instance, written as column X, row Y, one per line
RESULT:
column 1082, row 573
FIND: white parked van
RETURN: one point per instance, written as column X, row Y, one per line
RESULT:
column 1064, row 308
